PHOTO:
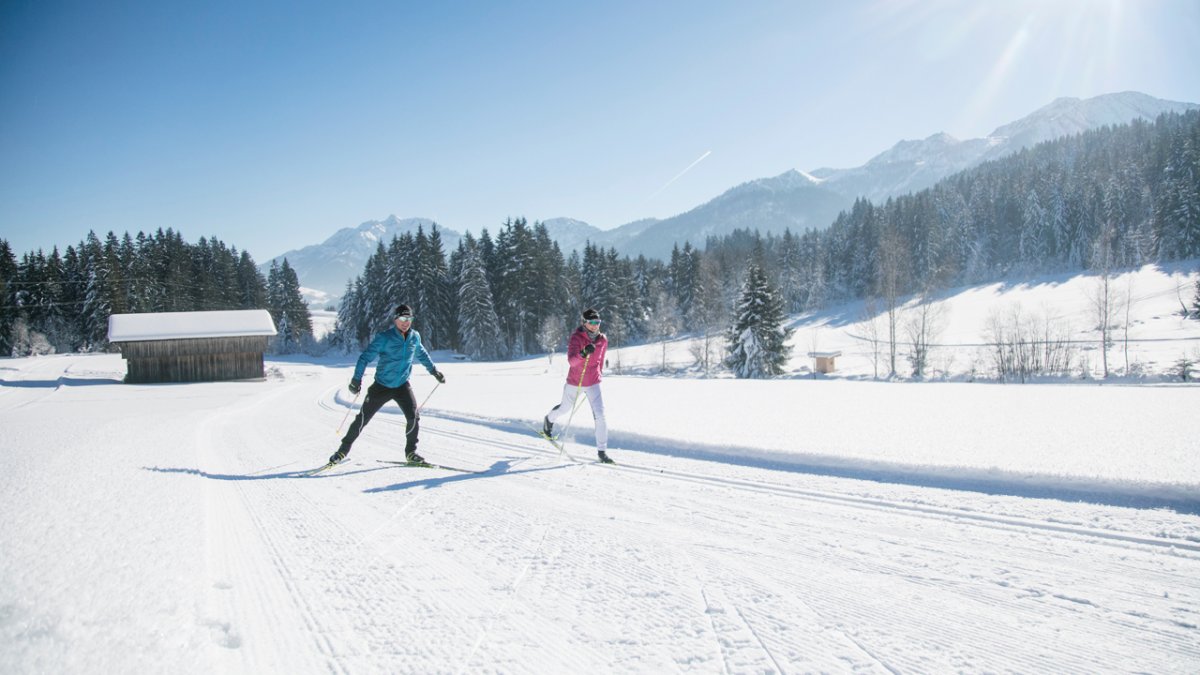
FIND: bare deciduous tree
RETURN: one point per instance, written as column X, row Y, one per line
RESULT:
column 870, row 327
column 923, row 324
column 890, row 269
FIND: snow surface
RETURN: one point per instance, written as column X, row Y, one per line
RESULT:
column 1158, row 335
column 323, row 322
column 835, row 524
column 179, row 325
column 769, row 526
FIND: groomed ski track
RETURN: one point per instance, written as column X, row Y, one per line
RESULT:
column 657, row 564
column 661, row 573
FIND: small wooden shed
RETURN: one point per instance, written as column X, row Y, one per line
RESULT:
column 192, row 346
column 824, row 362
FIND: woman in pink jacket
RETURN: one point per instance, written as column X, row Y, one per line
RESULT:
column 585, row 354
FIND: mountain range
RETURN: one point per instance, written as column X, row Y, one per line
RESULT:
column 794, row 199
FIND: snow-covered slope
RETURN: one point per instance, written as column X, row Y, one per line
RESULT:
column 800, row 200
column 910, row 166
column 961, row 324
column 1068, row 116
column 793, row 199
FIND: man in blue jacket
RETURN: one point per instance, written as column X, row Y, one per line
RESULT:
column 395, row 348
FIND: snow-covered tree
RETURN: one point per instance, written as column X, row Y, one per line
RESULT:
column 287, row 307
column 709, row 313
column 478, row 325
column 758, row 339
column 1196, row 303
column 8, row 302
column 665, row 318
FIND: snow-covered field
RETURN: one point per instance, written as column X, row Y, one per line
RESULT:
column 794, row 525
column 1157, row 337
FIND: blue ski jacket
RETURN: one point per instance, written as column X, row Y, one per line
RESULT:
column 396, row 353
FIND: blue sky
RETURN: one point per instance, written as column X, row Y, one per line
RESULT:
column 273, row 124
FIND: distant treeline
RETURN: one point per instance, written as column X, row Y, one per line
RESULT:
column 1114, row 197
column 61, row 302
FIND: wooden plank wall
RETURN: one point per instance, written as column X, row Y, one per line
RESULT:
column 194, row 360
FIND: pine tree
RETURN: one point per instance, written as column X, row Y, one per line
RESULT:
column 286, row 305
column 524, row 293
column 56, row 319
column 8, row 300
column 758, row 339
column 97, row 303
column 251, row 285
column 343, row 336
column 1196, row 303
column 478, row 324
column 432, row 284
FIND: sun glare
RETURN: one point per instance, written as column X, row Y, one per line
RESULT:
column 1076, row 41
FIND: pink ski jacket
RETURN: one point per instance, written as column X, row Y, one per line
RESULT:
column 595, row 362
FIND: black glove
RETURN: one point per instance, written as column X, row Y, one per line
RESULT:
column 355, row 385
column 437, row 375
column 587, row 349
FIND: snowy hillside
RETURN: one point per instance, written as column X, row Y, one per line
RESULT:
column 910, row 166
column 835, row 524
column 961, row 337
column 1067, row 116
column 792, row 200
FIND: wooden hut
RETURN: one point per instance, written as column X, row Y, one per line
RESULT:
column 824, row 362
column 192, row 346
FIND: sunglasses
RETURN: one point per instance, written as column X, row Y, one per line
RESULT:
column 404, row 318
column 593, row 322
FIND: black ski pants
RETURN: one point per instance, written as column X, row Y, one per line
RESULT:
column 377, row 395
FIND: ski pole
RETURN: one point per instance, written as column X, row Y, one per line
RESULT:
column 418, row 411
column 347, row 415
column 574, row 405
column 429, row 396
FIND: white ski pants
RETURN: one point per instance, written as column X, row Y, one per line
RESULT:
column 570, row 392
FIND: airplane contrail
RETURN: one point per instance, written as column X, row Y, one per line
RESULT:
column 677, row 176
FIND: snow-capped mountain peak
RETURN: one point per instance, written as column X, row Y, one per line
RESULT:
column 913, row 165
column 328, row 265
column 912, row 151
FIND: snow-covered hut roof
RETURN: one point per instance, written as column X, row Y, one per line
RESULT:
column 180, row 325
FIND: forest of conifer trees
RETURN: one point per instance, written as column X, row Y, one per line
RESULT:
column 61, row 302
column 1113, row 197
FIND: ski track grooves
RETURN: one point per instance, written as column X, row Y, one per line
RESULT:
column 856, row 612
column 357, row 611
column 869, row 503
column 34, row 397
